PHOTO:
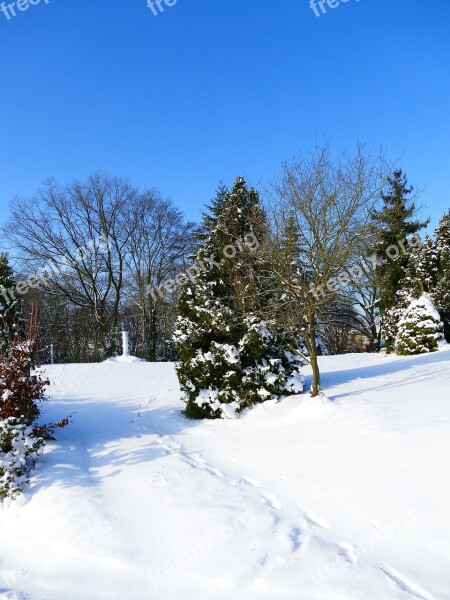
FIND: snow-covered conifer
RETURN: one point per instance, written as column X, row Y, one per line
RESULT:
column 420, row 329
column 19, row 450
column 420, row 277
column 441, row 294
column 10, row 306
column 232, row 354
column 395, row 223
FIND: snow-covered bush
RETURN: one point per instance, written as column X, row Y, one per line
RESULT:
column 19, row 450
column 225, row 378
column 231, row 352
column 393, row 317
column 427, row 272
column 21, row 438
column 420, row 329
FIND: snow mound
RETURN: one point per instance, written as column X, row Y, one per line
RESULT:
column 125, row 359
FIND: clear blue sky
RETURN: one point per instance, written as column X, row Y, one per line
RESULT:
column 215, row 88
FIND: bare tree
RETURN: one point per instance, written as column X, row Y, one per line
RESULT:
column 331, row 201
column 74, row 237
column 100, row 246
column 364, row 288
column 160, row 243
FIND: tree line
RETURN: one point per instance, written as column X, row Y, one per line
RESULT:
column 337, row 254
column 94, row 250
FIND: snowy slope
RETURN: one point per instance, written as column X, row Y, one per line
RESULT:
column 346, row 499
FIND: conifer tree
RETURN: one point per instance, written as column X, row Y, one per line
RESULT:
column 427, row 272
column 395, row 223
column 289, row 249
column 419, row 278
column 291, row 309
column 421, row 272
column 441, row 295
column 231, row 355
column 211, row 214
column 423, row 266
column 420, row 329
column 10, row 306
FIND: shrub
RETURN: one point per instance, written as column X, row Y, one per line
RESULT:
column 21, row 396
column 19, row 450
column 21, row 392
column 420, row 329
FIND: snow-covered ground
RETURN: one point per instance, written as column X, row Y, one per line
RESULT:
column 344, row 499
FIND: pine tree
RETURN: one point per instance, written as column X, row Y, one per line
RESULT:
column 231, row 354
column 393, row 316
column 286, row 261
column 394, row 225
column 421, row 273
column 211, row 214
column 10, row 306
column 427, row 272
column 441, row 295
column 419, row 278
column 288, row 250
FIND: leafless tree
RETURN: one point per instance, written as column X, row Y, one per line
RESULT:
column 160, row 244
column 74, row 236
column 98, row 245
column 331, row 200
column 364, row 289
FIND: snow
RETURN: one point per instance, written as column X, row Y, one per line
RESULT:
column 296, row 383
column 125, row 358
column 6, row 395
column 425, row 302
column 344, row 497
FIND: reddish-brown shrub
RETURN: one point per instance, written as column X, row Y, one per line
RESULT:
column 21, row 387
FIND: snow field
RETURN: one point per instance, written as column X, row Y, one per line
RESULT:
column 337, row 498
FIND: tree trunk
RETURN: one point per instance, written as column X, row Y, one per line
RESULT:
column 315, row 386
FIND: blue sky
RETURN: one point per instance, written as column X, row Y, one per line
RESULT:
column 211, row 89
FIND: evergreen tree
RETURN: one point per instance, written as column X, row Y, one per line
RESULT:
column 10, row 306
column 420, row 329
column 428, row 272
column 231, row 353
column 291, row 309
column 211, row 214
column 420, row 278
column 394, row 225
column 421, row 273
column 441, row 295
column 288, row 251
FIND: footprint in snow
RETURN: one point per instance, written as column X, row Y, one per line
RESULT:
column 404, row 584
column 348, row 553
column 252, row 482
column 312, row 520
column 295, row 537
column 271, row 500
